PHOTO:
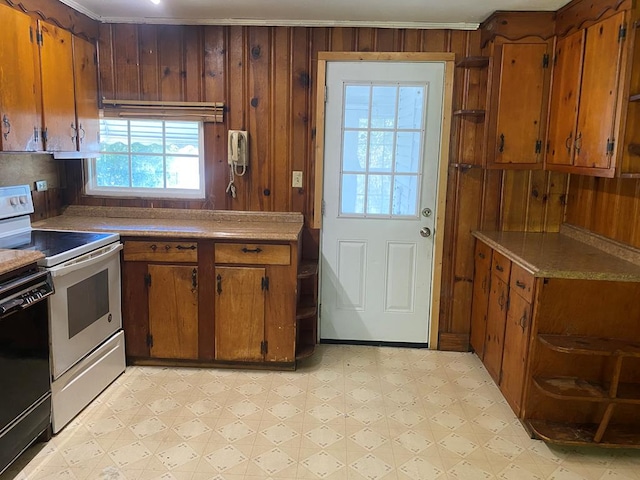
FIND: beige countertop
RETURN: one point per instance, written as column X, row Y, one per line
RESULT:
column 564, row 255
column 14, row 259
column 196, row 224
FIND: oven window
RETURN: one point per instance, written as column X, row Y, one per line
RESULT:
column 88, row 301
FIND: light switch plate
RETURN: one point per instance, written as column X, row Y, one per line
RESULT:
column 296, row 179
column 41, row 185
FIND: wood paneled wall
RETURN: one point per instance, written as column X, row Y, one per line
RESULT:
column 608, row 206
column 266, row 78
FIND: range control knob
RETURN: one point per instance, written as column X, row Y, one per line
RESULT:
column 13, row 201
column 23, row 199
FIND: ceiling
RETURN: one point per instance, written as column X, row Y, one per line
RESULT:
column 455, row 14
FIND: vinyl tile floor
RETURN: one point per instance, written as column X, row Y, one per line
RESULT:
column 346, row 413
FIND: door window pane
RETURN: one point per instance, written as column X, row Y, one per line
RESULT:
column 353, row 191
column 354, row 151
column 405, row 194
column 383, row 107
column 379, row 194
column 356, row 106
column 382, row 149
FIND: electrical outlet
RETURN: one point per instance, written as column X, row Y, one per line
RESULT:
column 296, row 179
column 41, row 185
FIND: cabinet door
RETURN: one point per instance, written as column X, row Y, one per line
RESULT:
column 516, row 347
column 519, row 91
column 19, row 82
column 565, row 95
column 239, row 314
column 599, row 93
column 135, row 309
column 481, row 279
column 596, row 113
column 173, row 311
column 58, row 102
column 85, row 73
column 496, row 318
column 280, row 315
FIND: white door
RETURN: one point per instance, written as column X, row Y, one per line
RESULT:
column 383, row 125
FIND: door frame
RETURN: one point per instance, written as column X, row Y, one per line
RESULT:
column 445, row 135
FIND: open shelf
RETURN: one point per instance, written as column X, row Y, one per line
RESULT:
column 307, row 309
column 608, row 347
column 307, row 269
column 477, row 61
column 616, row 436
column 572, row 388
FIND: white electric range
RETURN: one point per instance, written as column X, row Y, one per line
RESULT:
column 85, row 319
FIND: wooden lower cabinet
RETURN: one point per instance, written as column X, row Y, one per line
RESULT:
column 206, row 302
column 514, row 356
column 565, row 352
column 239, row 314
column 173, row 311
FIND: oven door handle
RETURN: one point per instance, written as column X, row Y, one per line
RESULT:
column 85, row 260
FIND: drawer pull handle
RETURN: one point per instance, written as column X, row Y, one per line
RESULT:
column 520, row 284
column 182, row 247
column 167, row 247
column 251, row 250
column 499, row 268
column 481, row 255
column 153, row 247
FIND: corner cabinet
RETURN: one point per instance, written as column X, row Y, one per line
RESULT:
column 565, row 352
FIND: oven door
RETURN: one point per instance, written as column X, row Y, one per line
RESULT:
column 85, row 309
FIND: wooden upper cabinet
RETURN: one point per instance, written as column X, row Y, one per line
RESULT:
column 565, row 95
column 596, row 113
column 586, row 81
column 19, row 81
column 85, row 74
column 520, row 80
column 58, row 97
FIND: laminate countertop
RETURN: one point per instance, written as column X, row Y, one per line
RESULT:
column 15, row 259
column 572, row 253
column 192, row 224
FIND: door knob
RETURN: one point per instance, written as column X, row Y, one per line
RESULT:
column 425, row 232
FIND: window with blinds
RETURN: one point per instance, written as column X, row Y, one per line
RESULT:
column 148, row 158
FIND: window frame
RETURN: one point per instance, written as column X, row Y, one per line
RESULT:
column 91, row 189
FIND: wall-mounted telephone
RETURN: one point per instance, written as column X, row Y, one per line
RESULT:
column 238, row 153
column 238, row 157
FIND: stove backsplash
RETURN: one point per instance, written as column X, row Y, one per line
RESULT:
column 26, row 169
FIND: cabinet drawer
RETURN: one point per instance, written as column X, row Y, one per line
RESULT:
column 521, row 282
column 483, row 254
column 501, row 266
column 252, row 254
column 161, row 251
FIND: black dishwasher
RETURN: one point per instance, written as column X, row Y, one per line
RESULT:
column 25, row 391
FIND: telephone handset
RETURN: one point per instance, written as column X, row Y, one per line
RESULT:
column 238, row 154
column 238, row 157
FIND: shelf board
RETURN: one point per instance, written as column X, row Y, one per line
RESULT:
column 306, row 307
column 635, row 98
column 305, row 351
column 478, row 61
column 472, row 115
column 616, row 436
column 307, row 268
column 572, row 388
column 634, row 149
column 591, row 345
